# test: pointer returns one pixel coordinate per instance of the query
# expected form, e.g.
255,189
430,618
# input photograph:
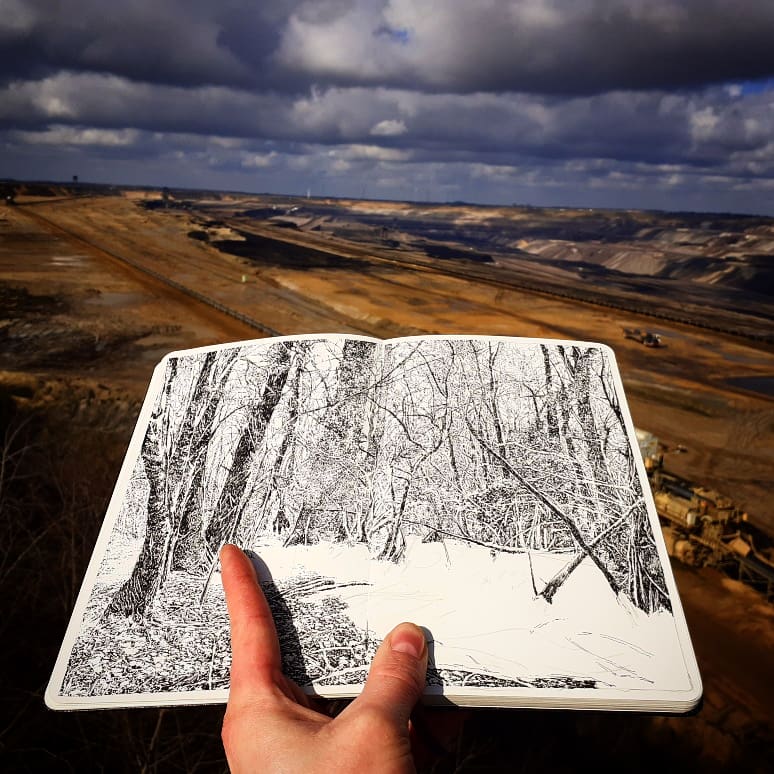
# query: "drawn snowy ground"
487,627
485,620
484,617
185,645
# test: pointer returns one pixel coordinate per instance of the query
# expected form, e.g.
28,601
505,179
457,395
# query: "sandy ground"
100,318
732,629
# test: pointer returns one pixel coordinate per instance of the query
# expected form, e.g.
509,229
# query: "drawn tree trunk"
136,596
630,550
582,380
619,425
623,542
188,548
348,446
274,500
558,580
581,448
226,511
355,432
645,584
353,381
552,421
483,427
385,527
494,408
391,481
386,517
174,464
605,380
577,435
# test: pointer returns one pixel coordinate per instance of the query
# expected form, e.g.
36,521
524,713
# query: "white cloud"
226,142
16,17
258,160
390,127
71,135
369,152
345,42
493,172
703,123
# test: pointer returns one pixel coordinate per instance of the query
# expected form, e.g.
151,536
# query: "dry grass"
53,492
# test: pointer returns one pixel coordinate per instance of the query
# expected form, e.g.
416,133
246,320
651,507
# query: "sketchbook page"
259,443
513,520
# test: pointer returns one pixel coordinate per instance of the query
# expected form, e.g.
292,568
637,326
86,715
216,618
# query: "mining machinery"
704,527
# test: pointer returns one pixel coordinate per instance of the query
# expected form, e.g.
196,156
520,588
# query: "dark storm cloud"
173,42
626,126
485,99
537,46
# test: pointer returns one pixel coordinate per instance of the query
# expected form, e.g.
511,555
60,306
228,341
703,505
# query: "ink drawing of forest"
485,488
511,521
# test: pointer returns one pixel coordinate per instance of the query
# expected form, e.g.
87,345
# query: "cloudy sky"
629,103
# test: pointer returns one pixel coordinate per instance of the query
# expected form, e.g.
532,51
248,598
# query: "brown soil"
68,308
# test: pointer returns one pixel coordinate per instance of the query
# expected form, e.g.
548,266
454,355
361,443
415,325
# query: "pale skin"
270,724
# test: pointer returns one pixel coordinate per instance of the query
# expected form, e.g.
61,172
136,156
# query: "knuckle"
402,670
398,682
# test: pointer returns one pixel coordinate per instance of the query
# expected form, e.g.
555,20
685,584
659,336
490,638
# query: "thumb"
397,676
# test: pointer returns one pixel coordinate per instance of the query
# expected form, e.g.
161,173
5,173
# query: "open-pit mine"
98,283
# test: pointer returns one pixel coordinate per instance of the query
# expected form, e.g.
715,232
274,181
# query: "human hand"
270,724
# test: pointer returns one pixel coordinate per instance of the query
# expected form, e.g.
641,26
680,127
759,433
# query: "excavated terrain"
95,290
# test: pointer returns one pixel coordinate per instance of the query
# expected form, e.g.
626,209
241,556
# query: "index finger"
256,662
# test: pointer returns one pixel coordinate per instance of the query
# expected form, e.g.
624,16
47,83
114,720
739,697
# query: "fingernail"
408,638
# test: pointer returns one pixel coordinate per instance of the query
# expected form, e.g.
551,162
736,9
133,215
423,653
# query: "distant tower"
75,179
308,193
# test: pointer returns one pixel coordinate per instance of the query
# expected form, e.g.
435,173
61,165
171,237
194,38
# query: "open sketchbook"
489,489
